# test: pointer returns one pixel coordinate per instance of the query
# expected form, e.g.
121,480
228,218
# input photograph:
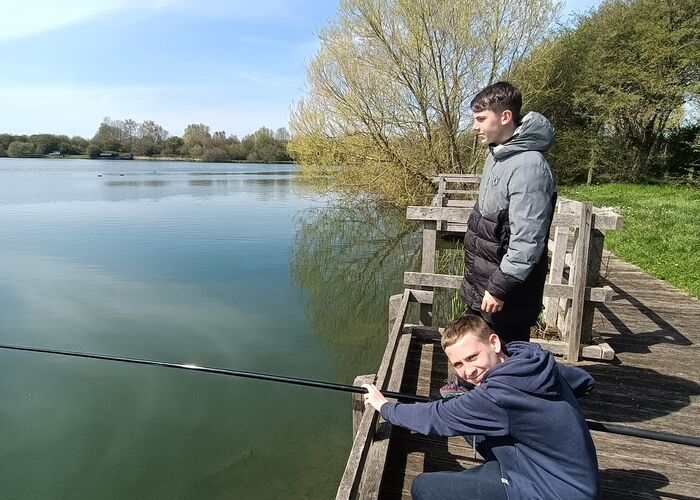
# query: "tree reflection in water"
350,258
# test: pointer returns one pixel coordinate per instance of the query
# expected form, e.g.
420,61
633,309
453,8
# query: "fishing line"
592,424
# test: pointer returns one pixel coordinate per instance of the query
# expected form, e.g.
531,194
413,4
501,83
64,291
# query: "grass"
661,232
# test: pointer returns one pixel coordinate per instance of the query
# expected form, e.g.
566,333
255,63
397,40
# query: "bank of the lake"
234,266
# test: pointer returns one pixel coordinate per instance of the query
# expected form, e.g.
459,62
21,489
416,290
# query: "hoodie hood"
535,133
528,370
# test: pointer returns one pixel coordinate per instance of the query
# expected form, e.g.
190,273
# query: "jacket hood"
528,369
535,133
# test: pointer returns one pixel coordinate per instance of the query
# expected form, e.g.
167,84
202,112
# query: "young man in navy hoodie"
536,443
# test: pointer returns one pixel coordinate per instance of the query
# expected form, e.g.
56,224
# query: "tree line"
389,90
148,139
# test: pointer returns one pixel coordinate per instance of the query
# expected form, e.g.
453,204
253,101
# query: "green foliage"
42,144
389,89
682,153
266,146
661,231
196,138
110,136
21,149
614,83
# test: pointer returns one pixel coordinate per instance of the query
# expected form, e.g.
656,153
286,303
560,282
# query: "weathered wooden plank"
421,296
441,199
461,191
424,333
595,255
602,222
449,214
579,280
455,227
556,274
432,280
598,294
394,306
428,265
466,178
592,294
358,402
561,348
459,203
429,238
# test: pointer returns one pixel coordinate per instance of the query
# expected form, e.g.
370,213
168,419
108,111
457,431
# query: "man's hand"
490,304
374,397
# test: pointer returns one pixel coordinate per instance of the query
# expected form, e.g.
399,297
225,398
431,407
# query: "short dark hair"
467,324
497,98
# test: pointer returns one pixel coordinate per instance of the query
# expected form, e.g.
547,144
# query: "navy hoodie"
526,408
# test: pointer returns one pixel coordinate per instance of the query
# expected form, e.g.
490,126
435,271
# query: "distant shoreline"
152,158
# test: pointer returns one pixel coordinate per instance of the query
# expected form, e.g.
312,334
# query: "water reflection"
193,269
349,260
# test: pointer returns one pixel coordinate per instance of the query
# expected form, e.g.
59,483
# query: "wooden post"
441,199
358,403
428,266
595,257
394,305
556,275
578,276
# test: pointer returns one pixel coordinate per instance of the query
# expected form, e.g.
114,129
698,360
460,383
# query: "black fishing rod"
592,424
220,371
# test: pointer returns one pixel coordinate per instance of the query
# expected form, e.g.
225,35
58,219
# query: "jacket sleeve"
579,380
531,191
471,413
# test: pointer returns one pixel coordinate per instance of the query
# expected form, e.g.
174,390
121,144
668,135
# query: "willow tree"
388,91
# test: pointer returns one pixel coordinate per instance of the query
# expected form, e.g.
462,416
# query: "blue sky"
235,65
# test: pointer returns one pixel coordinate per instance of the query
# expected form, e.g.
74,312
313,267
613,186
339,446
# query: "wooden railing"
576,245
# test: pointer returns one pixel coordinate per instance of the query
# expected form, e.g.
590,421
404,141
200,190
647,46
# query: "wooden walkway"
653,383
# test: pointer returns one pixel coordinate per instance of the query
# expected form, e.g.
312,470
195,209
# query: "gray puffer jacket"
505,246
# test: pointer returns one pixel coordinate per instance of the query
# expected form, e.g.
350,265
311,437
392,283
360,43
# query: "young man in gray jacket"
505,246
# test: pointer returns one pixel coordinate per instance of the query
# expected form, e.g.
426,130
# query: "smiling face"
492,127
471,357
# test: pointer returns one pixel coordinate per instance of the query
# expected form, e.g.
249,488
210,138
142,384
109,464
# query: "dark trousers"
506,331
479,483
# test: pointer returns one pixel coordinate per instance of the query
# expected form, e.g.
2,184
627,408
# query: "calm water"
235,266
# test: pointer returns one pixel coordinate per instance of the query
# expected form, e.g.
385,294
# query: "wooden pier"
651,381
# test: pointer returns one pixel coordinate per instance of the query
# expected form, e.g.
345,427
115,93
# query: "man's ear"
495,343
506,117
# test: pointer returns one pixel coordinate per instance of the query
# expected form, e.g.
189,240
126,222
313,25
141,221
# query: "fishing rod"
592,424
220,371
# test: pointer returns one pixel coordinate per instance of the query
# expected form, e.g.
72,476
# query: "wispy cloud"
31,17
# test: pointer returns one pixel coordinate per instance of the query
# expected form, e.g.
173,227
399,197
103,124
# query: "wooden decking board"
654,383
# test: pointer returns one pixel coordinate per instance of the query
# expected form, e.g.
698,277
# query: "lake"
237,266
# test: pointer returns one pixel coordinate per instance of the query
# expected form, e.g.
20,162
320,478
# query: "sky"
235,65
